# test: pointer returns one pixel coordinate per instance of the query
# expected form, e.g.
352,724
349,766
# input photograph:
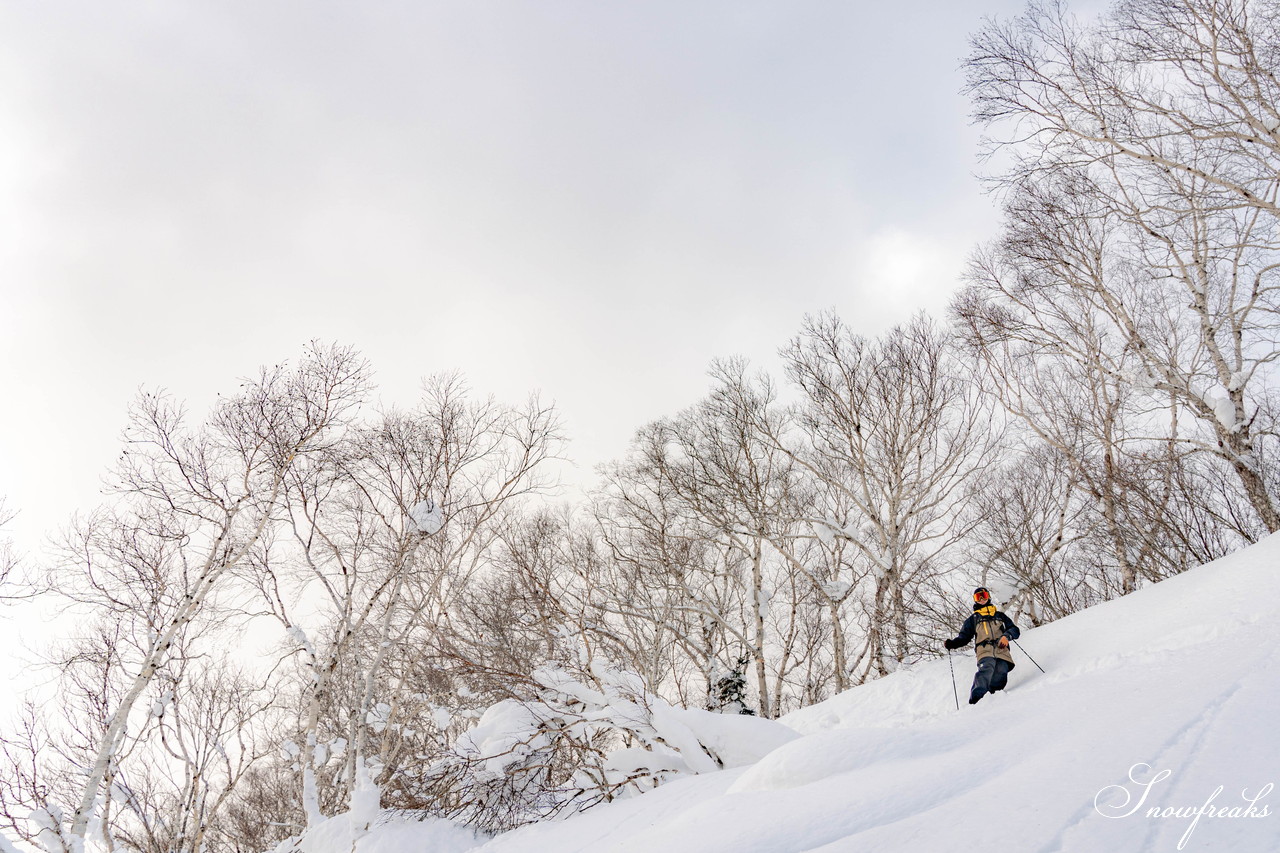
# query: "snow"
364,810
346,833
825,530
1149,705
1223,408
300,639
1001,590
735,739
160,705
503,736
829,753
763,597
1141,380
627,763
427,517
378,716
837,590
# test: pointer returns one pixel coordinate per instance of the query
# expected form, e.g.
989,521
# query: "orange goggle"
981,596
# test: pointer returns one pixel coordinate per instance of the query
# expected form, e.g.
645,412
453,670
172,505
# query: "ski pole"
1029,657
953,679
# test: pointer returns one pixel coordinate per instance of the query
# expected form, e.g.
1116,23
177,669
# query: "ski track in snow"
1189,739
1192,732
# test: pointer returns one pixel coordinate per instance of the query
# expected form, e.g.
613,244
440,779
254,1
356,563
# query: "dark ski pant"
993,675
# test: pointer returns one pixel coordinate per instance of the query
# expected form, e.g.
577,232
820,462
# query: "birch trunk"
109,743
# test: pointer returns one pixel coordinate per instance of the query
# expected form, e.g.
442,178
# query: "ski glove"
950,644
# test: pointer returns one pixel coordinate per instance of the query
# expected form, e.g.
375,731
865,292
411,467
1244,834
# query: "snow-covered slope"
1181,677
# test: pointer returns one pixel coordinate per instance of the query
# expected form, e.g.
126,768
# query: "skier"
994,630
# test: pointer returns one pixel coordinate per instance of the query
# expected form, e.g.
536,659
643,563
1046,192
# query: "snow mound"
735,739
826,754
346,833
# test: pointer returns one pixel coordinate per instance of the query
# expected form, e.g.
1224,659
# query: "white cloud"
898,272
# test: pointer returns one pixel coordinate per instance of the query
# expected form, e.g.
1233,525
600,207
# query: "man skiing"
993,630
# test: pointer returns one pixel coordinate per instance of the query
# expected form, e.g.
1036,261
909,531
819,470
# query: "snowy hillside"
1182,677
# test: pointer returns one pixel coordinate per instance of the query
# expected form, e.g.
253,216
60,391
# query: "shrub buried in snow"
592,735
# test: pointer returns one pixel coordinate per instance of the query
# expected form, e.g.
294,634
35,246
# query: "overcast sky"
591,199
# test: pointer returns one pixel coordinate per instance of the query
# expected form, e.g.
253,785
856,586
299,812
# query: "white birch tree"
190,505
893,433
1141,192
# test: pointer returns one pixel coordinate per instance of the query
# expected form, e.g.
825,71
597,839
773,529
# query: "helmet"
981,595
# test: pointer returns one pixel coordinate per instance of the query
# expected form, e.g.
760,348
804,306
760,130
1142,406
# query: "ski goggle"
981,595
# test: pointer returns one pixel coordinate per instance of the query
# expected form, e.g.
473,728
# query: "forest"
309,597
